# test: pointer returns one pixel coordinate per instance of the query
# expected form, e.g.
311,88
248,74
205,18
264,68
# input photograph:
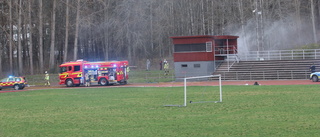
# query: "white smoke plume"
277,35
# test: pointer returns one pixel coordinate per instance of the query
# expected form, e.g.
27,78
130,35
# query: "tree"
30,38
75,53
313,18
106,35
53,30
65,51
2,41
19,36
41,64
10,37
298,19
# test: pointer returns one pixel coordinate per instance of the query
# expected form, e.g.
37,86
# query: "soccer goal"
201,89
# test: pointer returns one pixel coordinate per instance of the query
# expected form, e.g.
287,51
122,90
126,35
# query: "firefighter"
160,64
312,68
47,79
127,69
148,64
166,68
87,79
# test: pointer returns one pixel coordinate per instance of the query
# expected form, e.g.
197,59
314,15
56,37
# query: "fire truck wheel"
103,82
16,87
69,83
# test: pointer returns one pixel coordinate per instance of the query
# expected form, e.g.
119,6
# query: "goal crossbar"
185,90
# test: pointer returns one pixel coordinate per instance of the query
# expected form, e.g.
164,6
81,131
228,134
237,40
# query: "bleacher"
267,69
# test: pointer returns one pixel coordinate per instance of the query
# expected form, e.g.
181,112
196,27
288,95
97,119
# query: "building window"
200,47
209,46
184,65
196,65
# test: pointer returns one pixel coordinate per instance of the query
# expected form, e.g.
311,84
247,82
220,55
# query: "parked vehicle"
98,73
13,82
315,76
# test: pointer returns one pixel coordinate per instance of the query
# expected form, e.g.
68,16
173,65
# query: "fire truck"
100,73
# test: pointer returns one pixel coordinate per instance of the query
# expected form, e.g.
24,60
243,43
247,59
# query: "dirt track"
173,84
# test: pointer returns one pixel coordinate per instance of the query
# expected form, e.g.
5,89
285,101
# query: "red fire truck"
100,73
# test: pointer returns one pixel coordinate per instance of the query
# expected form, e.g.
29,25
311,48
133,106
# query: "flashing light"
92,66
114,65
97,66
10,76
85,66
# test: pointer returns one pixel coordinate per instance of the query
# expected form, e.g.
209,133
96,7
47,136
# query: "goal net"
200,89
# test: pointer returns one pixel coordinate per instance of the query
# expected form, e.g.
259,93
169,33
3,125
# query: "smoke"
276,35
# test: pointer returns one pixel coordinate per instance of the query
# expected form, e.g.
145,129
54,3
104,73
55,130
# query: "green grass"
153,76
126,111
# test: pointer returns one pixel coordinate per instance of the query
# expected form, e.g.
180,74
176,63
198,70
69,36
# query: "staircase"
267,70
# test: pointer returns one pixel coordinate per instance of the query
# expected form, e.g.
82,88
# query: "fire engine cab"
100,73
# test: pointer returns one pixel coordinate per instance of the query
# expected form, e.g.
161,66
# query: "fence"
281,55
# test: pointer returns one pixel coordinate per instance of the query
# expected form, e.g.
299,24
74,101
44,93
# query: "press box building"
200,55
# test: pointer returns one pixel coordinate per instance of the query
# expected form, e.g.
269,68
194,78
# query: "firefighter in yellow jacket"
47,79
166,67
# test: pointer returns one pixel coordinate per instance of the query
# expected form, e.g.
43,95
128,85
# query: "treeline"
38,35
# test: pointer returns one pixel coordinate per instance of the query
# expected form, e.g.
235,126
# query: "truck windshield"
63,69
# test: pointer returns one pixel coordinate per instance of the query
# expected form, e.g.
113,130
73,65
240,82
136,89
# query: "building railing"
224,50
229,51
280,55
231,60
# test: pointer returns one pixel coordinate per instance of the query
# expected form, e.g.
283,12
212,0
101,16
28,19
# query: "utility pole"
259,21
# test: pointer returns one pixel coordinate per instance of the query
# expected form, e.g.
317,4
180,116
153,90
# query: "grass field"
127,111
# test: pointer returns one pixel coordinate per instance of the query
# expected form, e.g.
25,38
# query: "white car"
315,76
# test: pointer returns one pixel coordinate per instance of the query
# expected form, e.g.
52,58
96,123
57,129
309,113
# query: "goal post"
211,84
